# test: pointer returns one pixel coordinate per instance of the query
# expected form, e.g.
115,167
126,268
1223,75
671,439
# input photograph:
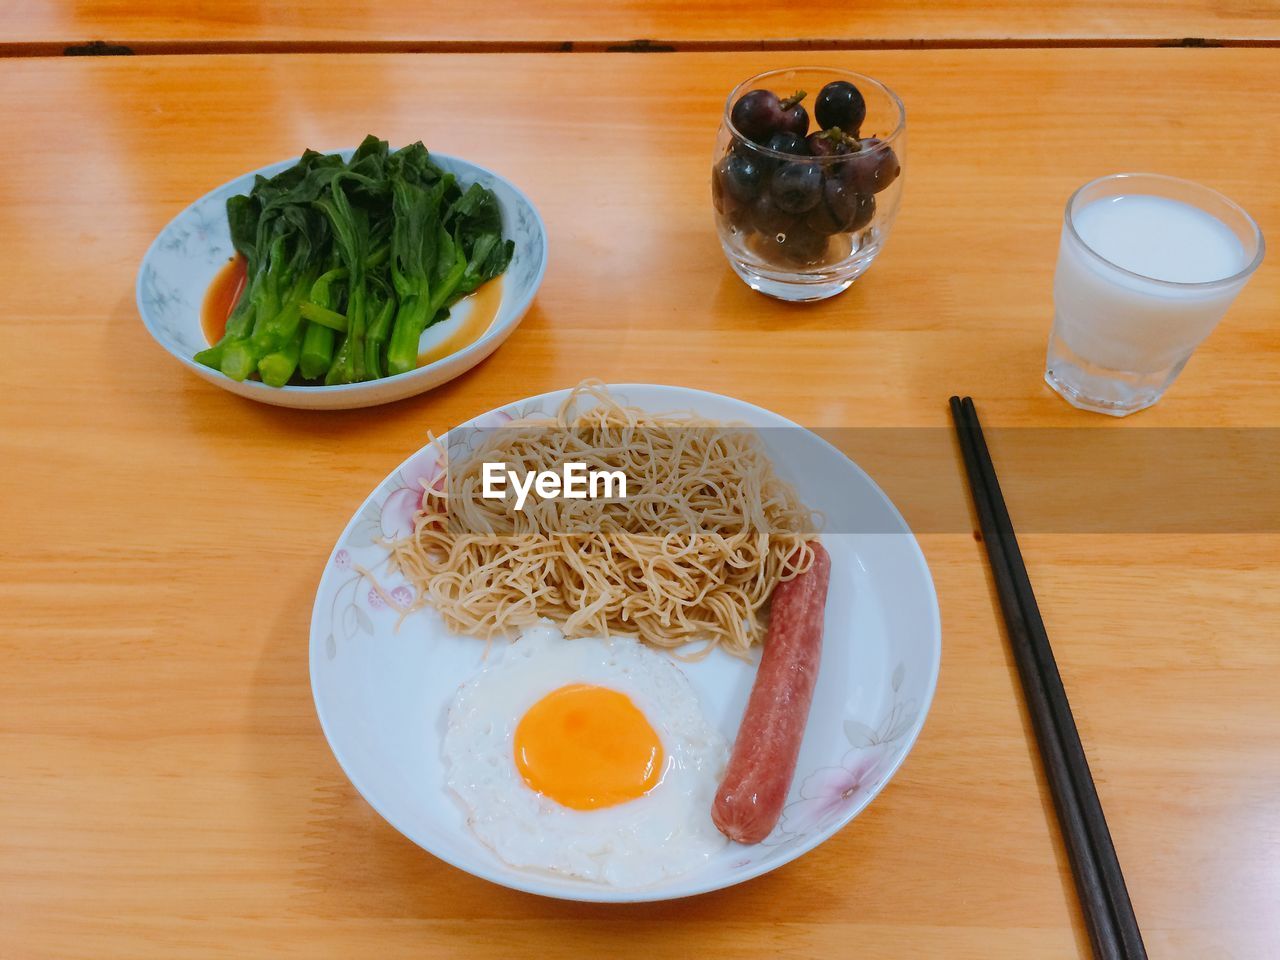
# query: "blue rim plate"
186,255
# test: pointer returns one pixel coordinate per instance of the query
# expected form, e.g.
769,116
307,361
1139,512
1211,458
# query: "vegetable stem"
323,316
379,333
402,353
276,368
317,351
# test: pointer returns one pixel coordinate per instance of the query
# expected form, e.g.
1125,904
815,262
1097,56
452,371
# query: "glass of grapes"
806,178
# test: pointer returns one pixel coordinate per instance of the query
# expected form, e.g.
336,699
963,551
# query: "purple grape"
797,187
872,168
741,175
717,191
841,210
757,115
768,218
736,212
840,104
829,144
830,215
795,118
822,145
802,245
787,142
725,204
864,211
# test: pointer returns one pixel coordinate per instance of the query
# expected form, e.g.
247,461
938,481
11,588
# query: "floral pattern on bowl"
388,518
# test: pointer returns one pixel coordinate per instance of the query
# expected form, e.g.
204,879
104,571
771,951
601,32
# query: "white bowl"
183,260
382,693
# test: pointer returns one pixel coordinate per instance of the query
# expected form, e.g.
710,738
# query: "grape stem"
838,136
792,100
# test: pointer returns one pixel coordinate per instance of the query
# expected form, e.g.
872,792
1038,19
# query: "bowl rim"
513,878
885,143
257,390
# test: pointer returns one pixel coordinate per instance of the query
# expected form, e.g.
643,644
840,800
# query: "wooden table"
165,790
261,25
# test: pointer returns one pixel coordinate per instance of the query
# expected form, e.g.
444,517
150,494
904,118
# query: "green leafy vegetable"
348,262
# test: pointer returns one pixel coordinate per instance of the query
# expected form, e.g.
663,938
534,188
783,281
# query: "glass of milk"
1147,266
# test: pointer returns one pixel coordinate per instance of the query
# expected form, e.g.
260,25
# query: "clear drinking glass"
809,254
1120,336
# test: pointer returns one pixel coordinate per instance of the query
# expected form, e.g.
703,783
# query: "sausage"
749,801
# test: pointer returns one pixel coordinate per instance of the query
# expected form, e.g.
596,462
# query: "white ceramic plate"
183,260
382,694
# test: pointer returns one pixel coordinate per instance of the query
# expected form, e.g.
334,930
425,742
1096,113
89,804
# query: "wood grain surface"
590,24
165,790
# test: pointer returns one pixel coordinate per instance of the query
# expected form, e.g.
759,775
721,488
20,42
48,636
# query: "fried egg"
587,758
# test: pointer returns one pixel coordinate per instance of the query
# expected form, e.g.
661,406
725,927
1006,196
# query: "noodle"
691,554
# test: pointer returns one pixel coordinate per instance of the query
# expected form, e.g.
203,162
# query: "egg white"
666,832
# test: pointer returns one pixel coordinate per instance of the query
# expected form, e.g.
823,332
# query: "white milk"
1160,238
1121,322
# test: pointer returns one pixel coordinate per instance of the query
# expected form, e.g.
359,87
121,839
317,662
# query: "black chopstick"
1104,898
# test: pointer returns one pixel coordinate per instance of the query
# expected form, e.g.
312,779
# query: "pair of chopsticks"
1113,929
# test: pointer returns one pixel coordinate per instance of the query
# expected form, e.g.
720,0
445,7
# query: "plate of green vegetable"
364,276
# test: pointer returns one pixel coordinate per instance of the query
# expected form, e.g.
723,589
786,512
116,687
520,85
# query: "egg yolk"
587,747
